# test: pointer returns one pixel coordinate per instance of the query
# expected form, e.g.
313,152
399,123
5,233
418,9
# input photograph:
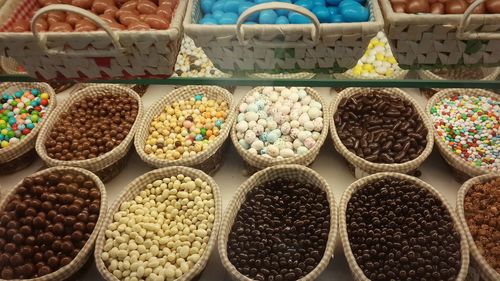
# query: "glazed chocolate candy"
91,127
380,128
398,231
46,223
280,231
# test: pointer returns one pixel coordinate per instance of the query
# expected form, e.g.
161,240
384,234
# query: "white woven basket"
105,161
89,55
68,270
294,172
363,167
207,160
336,46
297,75
258,162
10,65
133,189
490,73
357,272
478,263
419,40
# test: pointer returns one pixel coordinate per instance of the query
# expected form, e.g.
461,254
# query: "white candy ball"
250,137
285,128
294,123
242,126
272,150
244,144
286,153
251,116
309,142
257,145
302,150
309,125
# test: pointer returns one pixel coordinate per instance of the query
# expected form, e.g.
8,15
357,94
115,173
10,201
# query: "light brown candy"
165,11
56,16
84,4
41,25
437,8
60,27
129,5
99,6
138,25
73,18
146,7
21,26
455,7
156,22
128,17
85,26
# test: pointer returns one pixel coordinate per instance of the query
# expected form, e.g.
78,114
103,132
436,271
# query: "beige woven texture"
14,151
359,184
370,167
139,184
144,53
10,65
68,270
429,39
490,73
340,44
293,172
262,162
399,74
185,93
486,272
98,163
451,158
298,75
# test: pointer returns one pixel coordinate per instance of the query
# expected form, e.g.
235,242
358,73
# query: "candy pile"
186,127
279,122
163,232
327,11
118,14
192,62
377,61
20,113
444,7
469,127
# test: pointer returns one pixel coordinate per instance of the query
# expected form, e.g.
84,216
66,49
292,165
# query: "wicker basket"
297,75
89,55
361,167
399,74
490,73
429,40
67,271
462,170
359,184
208,160
108,165
22,154
295,172
140,89
298,47
478,263
133,189
253,163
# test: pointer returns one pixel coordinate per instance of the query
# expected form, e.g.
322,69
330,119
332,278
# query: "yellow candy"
389,72
370,46
374,42
5,144
4,132
357,72
368,67
379,56
44,96
392,60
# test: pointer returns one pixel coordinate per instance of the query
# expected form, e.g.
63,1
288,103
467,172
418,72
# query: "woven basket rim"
453,159
6,65
298,75
150,177
484,266
29,142
361,183
68,270
380,167
80,95
250,183
428,74
142,132
398,74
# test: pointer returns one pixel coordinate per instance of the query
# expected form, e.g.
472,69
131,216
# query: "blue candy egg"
308,4
297,18
228,18
218,6
249,22
333,10
231,6
217,14
322,13
262,1
346,3
268,17
352,13
18,94
319,3
282,20
206,6
337,18
244,6
283,12
35,92
362,2
333,2
208,20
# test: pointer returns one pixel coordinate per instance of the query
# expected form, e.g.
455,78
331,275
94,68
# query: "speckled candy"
193,62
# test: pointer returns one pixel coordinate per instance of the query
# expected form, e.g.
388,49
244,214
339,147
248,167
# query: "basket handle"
464,22
42,39
315,33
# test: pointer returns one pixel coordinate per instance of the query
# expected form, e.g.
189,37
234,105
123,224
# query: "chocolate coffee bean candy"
482,213
280,231
37,234
381,128
91,127
399,231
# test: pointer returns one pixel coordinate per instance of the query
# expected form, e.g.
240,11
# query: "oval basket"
486,272
140,89
462,170
296,172
105,166
256,162
361,167
359,184
22,154
134,188
296,75
399,74
79,261
208,160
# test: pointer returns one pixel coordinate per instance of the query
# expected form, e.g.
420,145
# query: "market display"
468,126
398,230
444,7
481,210
119,15
20,113
163,232
46,223
330,11
280,231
